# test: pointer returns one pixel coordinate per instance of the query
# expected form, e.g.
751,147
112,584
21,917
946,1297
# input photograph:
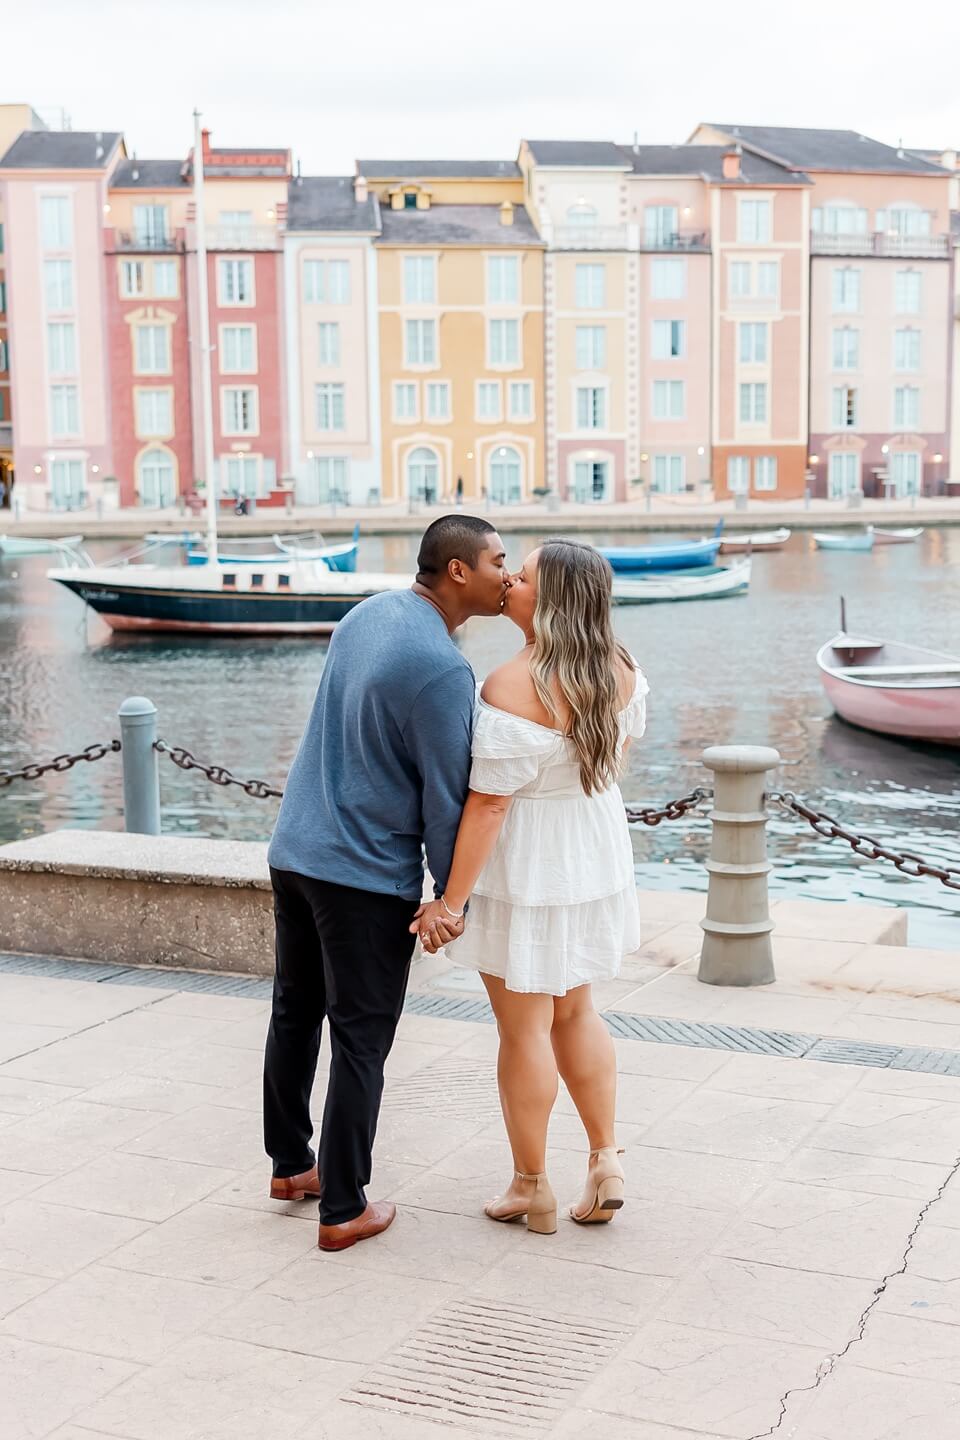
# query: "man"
382,771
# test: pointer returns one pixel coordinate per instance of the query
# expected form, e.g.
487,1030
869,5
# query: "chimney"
731,163
949,160
506,212
360,191
205,144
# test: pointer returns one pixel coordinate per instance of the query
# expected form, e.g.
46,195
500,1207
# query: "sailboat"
300,595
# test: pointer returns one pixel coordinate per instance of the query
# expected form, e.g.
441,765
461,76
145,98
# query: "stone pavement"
786,1264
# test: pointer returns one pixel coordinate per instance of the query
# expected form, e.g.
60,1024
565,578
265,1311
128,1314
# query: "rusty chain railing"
216,774
58,764
673,810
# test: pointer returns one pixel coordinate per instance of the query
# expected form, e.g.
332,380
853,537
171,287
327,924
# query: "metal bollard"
737,925
141,771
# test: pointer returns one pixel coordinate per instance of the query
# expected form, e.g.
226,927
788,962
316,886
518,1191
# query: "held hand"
435,926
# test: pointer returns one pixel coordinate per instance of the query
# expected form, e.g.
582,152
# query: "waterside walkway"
786,1265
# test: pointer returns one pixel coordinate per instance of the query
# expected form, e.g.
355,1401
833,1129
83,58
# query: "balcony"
889,247
677,240
140,242
242,237
590,237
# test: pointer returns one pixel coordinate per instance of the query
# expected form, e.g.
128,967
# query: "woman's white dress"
555,906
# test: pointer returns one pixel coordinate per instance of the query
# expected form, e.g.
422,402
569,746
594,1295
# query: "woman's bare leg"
587,1060
526,1071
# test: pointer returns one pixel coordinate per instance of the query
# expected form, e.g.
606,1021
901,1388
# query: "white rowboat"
757,540
705,583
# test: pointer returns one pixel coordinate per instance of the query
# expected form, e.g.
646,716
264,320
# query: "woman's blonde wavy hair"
575,655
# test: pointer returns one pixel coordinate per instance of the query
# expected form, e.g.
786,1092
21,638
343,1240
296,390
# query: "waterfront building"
876,323
14,119
461,338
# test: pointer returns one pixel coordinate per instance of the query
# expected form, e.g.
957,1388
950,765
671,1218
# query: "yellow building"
460,285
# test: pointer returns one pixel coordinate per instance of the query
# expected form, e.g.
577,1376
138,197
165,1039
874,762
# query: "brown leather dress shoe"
378,1215
295,1187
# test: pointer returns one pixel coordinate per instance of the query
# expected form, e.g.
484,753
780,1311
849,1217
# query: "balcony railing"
590,237
698,240
242,237
139,241
914,247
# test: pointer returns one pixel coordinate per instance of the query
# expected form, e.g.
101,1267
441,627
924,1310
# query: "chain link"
58,764
217,774
865,845
673,810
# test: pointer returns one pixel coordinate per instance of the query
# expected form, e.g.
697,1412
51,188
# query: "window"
236,282
738,474
239,353
668,399
668,474
488,400
61,347
582,214
591,407
154,412
505,473
503,342
844,411
840,219
904,220
668,339
753,222
846,348
843,474
753,342
419,279
64,410
58,284
906,407
591,347
753,404
404,401
520,399
152,349
239,411
846,288
236,219
165,279
3,296
765,472
4,360
66,483
421,342
131,278
328,343
741,278
330,407
768,279
438,400
591,481
55,222
668,279
150,225
906,350
157,487
423,475
326,282
503,279
660,225
330,473
906,292
590,282
905,471
241,474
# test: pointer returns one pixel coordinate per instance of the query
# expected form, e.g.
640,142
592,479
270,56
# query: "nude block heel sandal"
540,1208
603,1193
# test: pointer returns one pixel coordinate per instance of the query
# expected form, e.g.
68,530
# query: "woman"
543,855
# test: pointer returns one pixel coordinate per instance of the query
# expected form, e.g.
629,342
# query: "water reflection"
739,670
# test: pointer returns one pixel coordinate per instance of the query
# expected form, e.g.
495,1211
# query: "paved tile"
41,1386
864,924
672,1062
14,1183
139,1186
57,1240
680,1177
914,1346
206,1135
647,1238
872,1174
581,1422
224,1390
250,1190
894,1126
214,1007
779,1078
63,1136
79,1060
218,1065
341,1420
433,1245
220,1245
930,1287
75,1004
749,1127
18,1039
129,1317
153,1092
641,1099
603,1291
859,1404
26,1097
17,1289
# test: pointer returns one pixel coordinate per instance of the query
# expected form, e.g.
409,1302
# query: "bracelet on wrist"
454,914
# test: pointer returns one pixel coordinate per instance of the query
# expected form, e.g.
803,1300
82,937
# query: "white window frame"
419,280
523,412
673,331
594,407
901,304
841,349
747,334
228,404
844,278
250,484
236,273
144,399
487,390
63,269
501,268
741,279
434,389
328,395
67,396
504,343
907,350
514,459
662,267
661,225
164,462
590,285
149,357
754,220
415,346
406,402
668,400
228,368
906,407
738,474
843,477
765,479
56,222
905,484
326,282
826,219
74,468
585,342
165,267
844,412
61,347
328,344
771,269
154,233
132,270
668,474
753,402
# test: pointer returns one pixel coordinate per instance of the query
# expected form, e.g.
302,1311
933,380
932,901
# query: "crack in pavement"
830,1362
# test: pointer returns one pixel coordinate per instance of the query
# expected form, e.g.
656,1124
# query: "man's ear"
457,572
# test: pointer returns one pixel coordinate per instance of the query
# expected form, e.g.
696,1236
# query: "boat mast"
200,245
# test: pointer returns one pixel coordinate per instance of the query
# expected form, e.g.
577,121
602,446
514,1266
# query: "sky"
440,78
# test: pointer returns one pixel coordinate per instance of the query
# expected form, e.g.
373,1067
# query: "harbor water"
730,671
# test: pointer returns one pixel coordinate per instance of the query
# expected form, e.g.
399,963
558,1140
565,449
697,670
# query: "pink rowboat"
892,688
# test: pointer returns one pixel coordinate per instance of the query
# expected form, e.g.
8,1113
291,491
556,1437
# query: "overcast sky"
379,78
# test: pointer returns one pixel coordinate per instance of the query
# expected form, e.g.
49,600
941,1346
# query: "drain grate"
710,1037
498,1370
463,1089
445,1007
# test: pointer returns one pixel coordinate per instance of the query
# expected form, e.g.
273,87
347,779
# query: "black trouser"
344,954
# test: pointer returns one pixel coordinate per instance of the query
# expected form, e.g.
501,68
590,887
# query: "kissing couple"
513,795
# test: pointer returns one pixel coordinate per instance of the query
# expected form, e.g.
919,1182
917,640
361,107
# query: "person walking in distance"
382,772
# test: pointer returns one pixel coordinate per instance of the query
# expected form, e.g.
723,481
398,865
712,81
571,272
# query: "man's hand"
435,926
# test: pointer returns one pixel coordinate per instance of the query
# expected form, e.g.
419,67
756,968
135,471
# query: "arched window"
157,483
505,476
904,219
840,217
423,475
582,214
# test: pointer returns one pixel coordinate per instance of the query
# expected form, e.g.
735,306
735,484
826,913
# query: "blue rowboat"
680,555
851,540
342,558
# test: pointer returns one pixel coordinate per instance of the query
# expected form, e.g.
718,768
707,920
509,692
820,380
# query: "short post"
737,925
141,771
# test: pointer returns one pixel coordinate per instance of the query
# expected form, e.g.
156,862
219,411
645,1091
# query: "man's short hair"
452,537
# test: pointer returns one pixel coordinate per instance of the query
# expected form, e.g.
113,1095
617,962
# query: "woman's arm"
480,825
